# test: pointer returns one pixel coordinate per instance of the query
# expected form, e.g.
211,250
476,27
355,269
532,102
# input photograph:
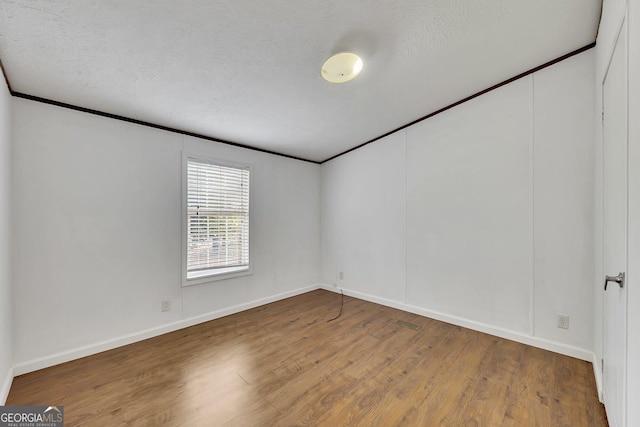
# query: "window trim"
229,272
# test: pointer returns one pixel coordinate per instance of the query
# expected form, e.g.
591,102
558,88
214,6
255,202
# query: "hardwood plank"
283,364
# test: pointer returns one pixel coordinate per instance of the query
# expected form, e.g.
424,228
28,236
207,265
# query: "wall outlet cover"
563,321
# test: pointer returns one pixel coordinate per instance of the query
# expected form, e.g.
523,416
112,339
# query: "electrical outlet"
166,305
341,275
563,321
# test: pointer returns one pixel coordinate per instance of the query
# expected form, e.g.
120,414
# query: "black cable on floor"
341,305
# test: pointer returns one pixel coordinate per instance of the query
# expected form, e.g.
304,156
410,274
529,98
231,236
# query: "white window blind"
218,218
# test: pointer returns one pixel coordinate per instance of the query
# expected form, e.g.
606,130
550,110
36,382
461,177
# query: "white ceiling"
249,71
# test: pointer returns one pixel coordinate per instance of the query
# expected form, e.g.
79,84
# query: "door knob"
619,279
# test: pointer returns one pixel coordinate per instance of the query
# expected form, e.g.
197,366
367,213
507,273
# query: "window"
217,220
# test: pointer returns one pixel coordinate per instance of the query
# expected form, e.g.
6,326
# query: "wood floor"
283,364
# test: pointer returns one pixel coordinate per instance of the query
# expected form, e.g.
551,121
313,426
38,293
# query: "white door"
614,89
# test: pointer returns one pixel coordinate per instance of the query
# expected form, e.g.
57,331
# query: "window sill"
206,276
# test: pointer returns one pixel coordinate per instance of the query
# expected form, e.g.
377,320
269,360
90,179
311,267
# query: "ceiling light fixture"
341,67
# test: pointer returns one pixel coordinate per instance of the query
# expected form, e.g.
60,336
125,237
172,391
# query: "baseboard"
597,372
77,353
6,386
568,350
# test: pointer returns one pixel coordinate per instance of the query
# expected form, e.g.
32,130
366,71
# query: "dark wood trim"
6,77
475,95
148,124
235,144
600,19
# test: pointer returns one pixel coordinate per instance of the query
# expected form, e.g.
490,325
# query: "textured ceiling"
249,71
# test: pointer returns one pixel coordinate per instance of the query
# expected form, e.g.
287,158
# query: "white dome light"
341,67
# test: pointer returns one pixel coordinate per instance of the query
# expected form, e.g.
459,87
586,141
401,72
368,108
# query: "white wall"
6,302
563,200
97,222
468,209
481,215
364,219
